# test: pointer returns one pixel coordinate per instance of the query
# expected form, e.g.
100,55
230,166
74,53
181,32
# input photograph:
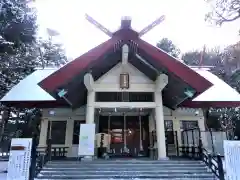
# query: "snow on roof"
28,89
220,91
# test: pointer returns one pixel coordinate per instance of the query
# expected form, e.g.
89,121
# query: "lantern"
124,81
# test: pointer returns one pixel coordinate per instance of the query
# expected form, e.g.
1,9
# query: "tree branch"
224,11
228,20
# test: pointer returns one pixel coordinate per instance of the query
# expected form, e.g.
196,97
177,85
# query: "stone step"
126,162
104,168
129,176
182,178
126,169
120,165
156,172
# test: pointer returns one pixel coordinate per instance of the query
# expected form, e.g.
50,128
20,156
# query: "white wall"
62,114
109,82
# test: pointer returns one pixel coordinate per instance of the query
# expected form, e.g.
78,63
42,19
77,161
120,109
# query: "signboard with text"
19,159
86,140
232,159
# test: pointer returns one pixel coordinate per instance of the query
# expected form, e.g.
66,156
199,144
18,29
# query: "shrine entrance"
129,134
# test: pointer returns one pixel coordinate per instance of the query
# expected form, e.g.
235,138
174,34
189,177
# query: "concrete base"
87,158
165,158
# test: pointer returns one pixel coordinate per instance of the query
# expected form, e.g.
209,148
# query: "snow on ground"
3,176
3,167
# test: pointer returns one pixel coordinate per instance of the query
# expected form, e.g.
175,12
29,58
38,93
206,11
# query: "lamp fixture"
52,112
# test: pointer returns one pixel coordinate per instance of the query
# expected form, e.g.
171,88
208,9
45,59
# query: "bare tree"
223,11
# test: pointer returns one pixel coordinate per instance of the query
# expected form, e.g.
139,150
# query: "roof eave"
173,65
35,104
208,104
67,72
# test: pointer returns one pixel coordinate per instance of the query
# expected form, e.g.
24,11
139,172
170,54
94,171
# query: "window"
124,97
168,124
58,131
76,131
141,97
185,125
169,133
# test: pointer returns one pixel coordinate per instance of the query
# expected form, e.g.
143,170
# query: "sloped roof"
220,91
28,89
102,58
92,59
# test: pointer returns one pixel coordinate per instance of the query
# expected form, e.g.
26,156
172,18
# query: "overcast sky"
184,23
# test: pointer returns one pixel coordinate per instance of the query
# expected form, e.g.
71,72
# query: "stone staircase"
126,169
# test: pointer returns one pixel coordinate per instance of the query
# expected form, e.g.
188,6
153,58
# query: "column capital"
161,82
89,81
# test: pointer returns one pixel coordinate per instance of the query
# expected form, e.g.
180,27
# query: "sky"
184,22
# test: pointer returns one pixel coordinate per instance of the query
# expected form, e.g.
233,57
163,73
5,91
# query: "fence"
212,141
206,146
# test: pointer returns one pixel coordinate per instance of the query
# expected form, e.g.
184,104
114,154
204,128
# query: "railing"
4,156
214,163
212,140
41,160
196,151
44,154
191,152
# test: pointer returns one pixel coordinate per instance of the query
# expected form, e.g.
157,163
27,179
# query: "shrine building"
129,89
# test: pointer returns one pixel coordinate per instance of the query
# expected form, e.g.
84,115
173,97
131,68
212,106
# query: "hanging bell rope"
124,133
140,126
109,133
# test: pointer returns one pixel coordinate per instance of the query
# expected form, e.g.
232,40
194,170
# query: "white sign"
86,140
232,159
19,159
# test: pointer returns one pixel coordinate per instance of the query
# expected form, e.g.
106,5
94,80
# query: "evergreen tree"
17,25
20,53
167,45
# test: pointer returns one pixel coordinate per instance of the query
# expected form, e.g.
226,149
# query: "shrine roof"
28,89
96,57
220,91
27,92
150,60
102,58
